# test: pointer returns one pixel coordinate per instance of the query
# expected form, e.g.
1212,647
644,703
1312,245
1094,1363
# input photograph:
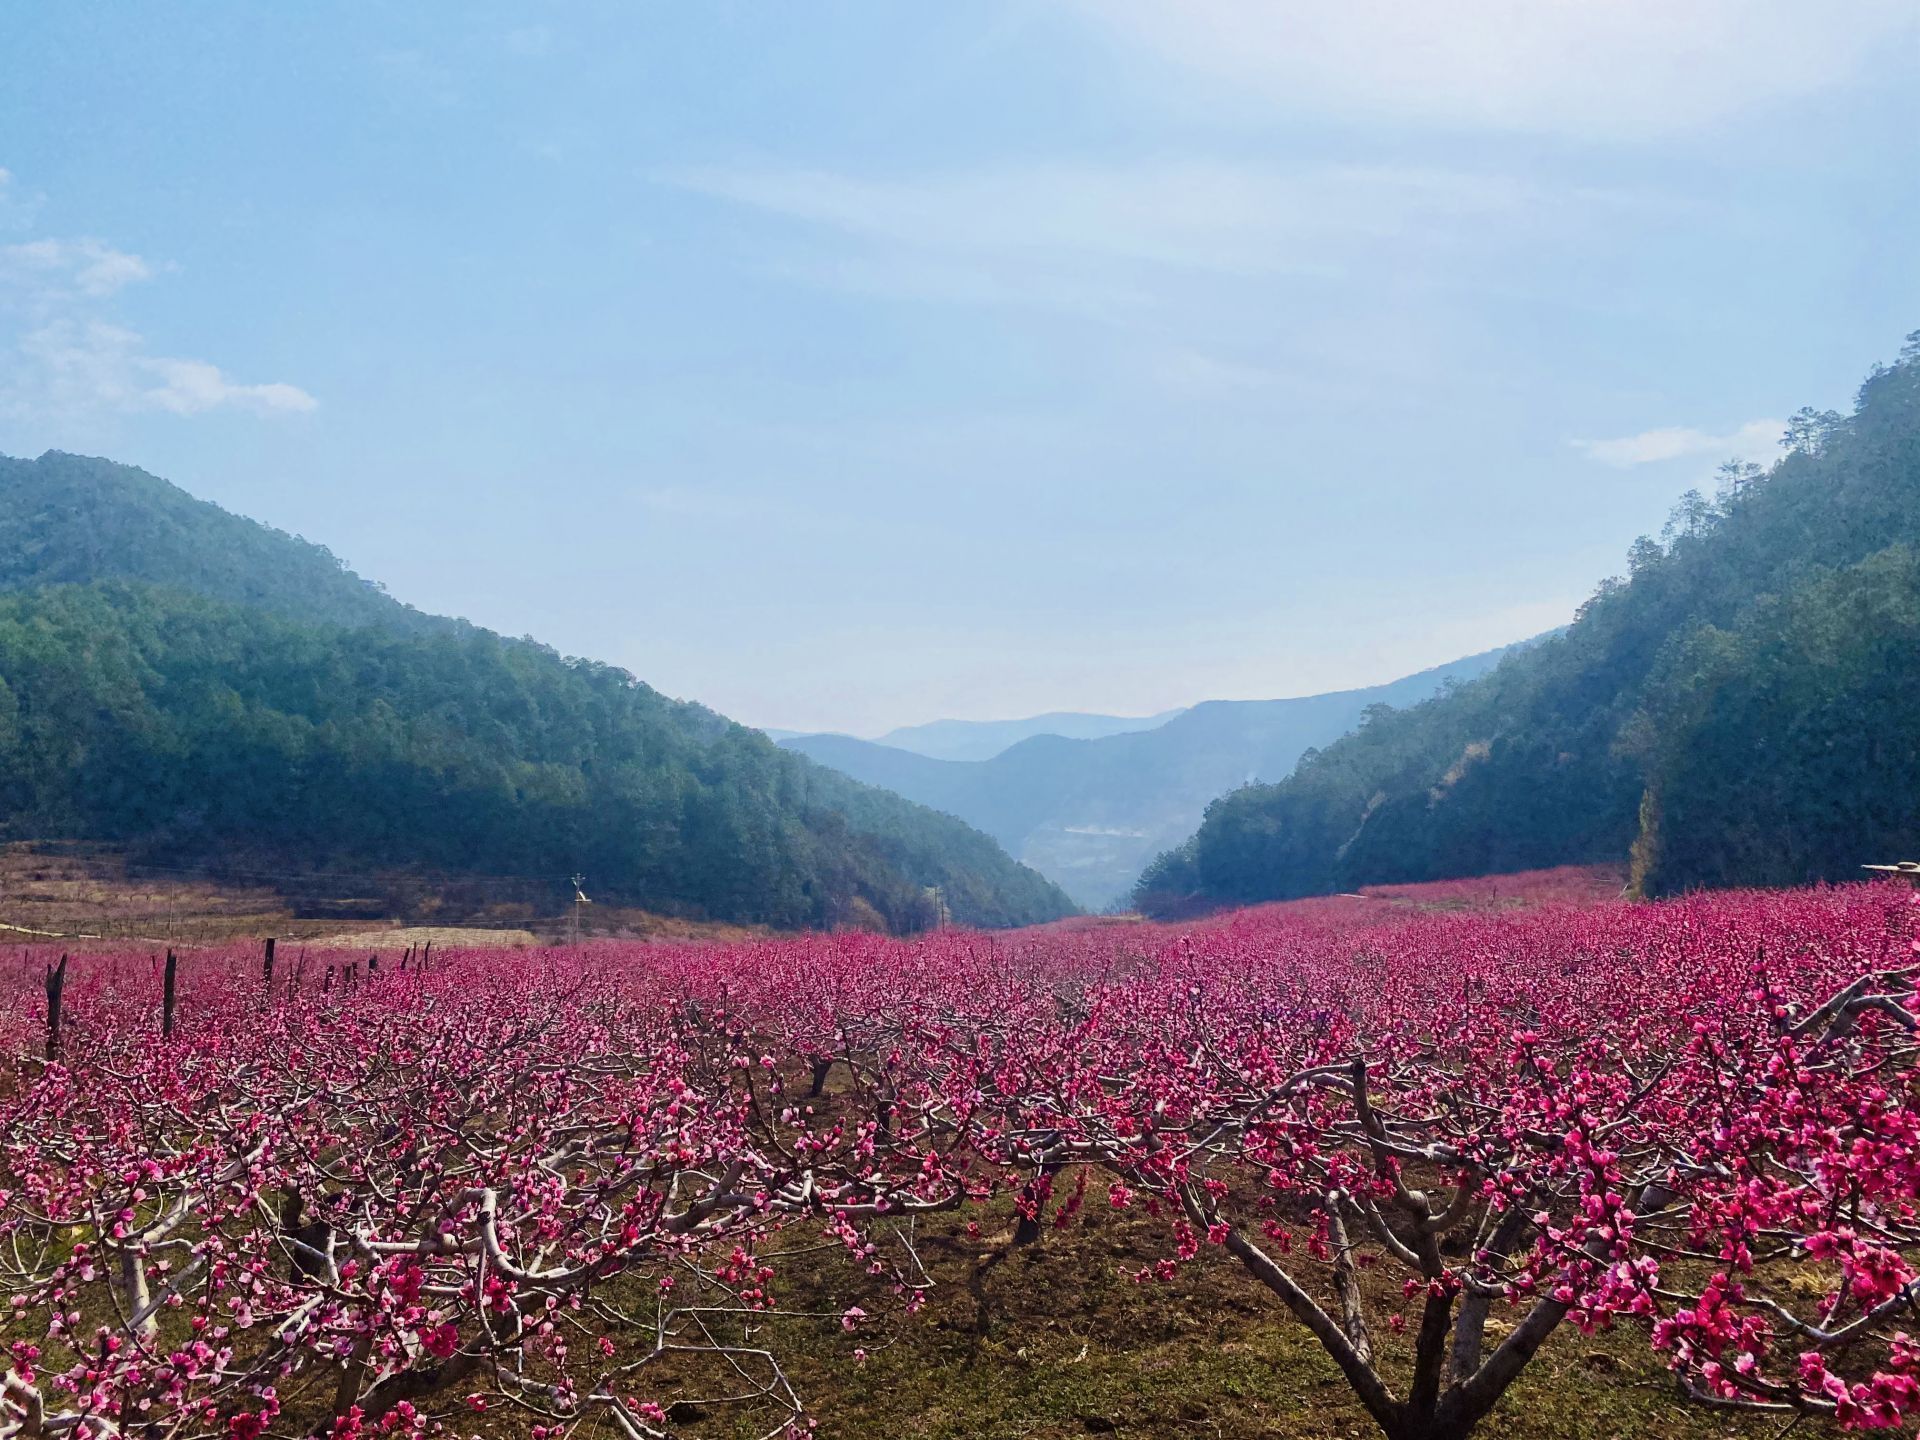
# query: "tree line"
192,728
1739,708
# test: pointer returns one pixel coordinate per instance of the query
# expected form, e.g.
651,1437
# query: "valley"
1090,812
1159,719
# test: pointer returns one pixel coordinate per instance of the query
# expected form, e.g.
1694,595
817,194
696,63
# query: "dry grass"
52,891
1059,1342
90,892
446,937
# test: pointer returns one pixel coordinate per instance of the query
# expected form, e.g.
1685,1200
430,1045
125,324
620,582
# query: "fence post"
266,967
56,986
166,1000
373,966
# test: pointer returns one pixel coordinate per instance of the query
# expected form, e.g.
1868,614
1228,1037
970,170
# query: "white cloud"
1609,69
90,267
74,367
186,387
1184,252
1757,440
1201,215
65,361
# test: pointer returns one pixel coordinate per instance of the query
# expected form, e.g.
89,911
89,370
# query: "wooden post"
56,986
373,965
166,1000
426,954
266,966
326,983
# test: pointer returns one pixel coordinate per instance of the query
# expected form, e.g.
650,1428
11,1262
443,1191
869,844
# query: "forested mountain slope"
73,519
1089,813
247,724
1742,708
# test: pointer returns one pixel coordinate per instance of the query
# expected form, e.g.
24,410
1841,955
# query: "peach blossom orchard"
563,1189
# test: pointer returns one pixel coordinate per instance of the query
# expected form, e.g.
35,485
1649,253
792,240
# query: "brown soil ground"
66,891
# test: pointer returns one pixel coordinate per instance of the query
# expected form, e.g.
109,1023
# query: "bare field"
64,890
463,937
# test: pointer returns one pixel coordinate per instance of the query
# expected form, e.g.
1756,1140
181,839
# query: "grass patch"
1067,1345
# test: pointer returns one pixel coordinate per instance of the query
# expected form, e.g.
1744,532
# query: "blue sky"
848,365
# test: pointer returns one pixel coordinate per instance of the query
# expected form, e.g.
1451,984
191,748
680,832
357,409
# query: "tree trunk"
166,999
56,988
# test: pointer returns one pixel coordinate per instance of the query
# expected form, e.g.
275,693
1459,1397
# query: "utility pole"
579,899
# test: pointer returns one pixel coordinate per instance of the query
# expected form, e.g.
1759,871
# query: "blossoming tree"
559,1185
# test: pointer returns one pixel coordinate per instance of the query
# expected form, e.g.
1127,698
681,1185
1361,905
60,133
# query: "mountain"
1090,813
190,684
73,519
984,739
1739,710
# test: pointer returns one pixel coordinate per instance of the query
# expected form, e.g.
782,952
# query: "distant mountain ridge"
186,682
1090,813
984,739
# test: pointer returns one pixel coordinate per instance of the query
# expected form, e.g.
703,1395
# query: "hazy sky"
849,365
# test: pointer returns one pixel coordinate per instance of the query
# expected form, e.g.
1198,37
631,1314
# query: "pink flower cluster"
535,1180
1562,885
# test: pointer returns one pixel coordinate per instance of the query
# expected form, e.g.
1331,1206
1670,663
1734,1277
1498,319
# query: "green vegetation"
291,713
1738,710
72,519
